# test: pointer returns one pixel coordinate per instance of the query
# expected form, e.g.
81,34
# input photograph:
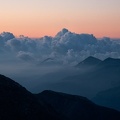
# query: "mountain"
89,62
109,98
76,107
16,103
94,76
110,63
108,70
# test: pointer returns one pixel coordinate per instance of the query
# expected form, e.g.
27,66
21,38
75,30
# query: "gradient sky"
36,18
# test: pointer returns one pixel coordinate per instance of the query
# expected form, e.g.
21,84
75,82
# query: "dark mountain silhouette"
76,107
16,103
92,61
109,98
89,62
110,63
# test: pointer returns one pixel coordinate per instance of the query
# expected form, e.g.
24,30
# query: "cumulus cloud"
66,47
6,36
14,44
26,56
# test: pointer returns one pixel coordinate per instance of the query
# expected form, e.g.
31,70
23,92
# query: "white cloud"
26,56
66,47
6,36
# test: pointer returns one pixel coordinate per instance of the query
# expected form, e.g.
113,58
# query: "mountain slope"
89,62
75,107
16,103
110,62
92,78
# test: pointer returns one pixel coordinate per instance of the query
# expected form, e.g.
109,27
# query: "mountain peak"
90,61
91,58
111,62
110,59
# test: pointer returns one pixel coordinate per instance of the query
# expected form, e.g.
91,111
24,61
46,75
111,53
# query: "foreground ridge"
19,104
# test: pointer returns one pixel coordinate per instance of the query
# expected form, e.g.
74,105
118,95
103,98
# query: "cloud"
26,56
66,47
14,44
6,36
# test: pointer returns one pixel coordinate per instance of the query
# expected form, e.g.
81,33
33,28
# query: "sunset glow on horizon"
36,18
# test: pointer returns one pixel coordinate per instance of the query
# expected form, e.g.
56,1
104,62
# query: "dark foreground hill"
76,107
16,103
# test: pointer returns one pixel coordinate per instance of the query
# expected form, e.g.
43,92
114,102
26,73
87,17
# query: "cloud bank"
65,48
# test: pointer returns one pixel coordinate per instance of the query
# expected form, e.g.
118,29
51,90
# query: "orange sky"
36,18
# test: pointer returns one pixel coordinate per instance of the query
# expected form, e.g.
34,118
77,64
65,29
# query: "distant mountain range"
109,98
107,70
93,76
92,61
90,77
89,62
16,103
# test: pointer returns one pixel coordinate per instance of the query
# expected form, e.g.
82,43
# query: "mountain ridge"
75,107
89,61
20,104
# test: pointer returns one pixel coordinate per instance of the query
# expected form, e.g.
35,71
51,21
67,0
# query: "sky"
36,18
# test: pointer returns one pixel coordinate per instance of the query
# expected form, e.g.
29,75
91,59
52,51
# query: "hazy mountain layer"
109,98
